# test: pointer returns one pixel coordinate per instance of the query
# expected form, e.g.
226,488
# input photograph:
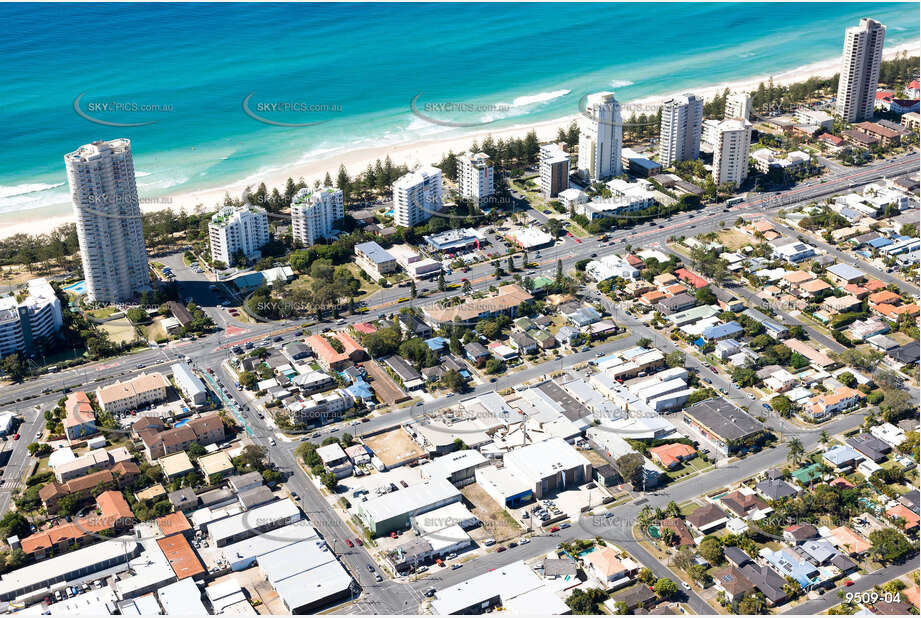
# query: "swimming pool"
76,288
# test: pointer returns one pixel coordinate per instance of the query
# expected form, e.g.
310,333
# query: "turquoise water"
365,63
77,288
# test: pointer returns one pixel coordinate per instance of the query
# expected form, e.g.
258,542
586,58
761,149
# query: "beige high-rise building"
600,137
109,230
860,60
730,152
738,105
679,133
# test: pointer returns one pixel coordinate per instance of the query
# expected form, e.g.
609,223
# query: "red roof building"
692,279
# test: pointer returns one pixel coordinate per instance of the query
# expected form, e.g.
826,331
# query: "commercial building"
679,133
76,566
235,231
416,196
554,170
860,62
183,597
452,241
722,423
600,137
314,213
415,265
109,230
28,324
392,511
189,384
253,522
730,151
514,587
625,197
817,118
549,466
374,260
475,176
306,575
738,105
123,396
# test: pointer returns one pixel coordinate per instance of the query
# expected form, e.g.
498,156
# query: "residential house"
733,583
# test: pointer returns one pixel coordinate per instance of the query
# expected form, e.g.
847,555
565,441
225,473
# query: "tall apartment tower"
600,137
109,229
475,176
416,196
554,170
238,230
679,133
314,212
860,60
738,105
730,152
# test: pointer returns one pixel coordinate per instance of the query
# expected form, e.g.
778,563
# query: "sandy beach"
429,152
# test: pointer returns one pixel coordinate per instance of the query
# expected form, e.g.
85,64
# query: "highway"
400,597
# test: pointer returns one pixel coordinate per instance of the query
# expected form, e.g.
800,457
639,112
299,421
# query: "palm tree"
824,438
795,451
672,509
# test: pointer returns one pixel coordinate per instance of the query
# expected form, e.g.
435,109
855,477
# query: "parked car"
500,549
349,543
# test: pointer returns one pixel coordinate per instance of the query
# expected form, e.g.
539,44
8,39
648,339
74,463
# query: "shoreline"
430,151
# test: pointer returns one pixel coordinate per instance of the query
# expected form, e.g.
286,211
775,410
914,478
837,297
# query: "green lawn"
693,466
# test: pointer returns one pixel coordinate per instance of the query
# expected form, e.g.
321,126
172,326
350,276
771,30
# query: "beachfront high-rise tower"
416,196
475,176
738,105
860,60
600,137
679,132
313,213
554,169
109,230
730,152
238,231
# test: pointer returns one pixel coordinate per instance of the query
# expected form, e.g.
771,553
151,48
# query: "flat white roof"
508,582
409,499
253,518
331,452
296,558
313,586
182,598
441,518
71,562
544,459
446,465
260,545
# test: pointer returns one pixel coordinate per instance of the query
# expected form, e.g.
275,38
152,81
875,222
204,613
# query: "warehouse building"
306,575
385,514
550,466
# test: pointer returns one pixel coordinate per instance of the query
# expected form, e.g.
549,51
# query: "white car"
686,585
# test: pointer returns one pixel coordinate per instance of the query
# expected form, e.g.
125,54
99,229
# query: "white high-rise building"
709,131
554,169
679,133
109,228
313,213
475,176
238,230
860,60
26,322
738,105
600,137
416,196
730,152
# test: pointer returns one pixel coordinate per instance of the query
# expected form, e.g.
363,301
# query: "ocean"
221,92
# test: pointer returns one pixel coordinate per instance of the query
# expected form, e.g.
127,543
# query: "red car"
500,549
848,583
393,535
349,543
555,529
16,437
360,542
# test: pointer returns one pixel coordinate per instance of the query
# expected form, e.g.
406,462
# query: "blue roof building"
437,344
842,457
722,331
360,390
879,243
789,564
